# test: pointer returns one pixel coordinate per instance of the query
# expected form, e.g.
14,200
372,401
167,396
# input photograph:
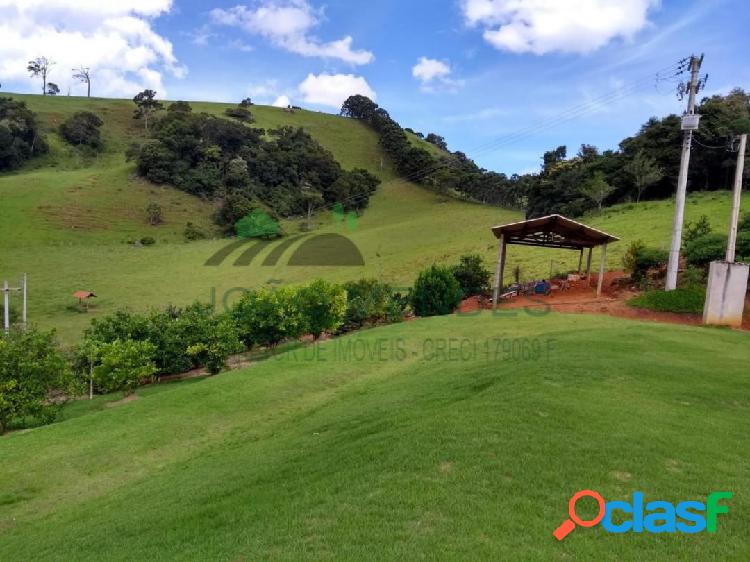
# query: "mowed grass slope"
399,451
66,221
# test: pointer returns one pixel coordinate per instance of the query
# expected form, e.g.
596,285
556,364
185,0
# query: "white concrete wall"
725,295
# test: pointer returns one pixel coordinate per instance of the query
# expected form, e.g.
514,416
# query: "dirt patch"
127,399
581,299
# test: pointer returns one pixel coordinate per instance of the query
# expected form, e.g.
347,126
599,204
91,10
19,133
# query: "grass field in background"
66,222
406,454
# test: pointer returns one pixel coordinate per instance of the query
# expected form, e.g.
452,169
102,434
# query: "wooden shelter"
552,231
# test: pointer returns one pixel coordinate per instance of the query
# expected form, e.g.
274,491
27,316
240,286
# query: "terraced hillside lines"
401,452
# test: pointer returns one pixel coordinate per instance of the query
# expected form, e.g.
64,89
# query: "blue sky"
493,76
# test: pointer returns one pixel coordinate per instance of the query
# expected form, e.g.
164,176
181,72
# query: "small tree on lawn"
146,105
323,306
472,275
154,214
435,292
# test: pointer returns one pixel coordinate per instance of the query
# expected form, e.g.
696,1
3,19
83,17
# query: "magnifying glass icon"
569,524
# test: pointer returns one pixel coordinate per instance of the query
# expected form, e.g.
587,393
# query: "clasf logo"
653,517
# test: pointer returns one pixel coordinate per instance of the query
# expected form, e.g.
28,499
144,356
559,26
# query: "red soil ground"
581,299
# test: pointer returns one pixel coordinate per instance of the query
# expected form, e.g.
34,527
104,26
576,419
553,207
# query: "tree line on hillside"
284,169
645,165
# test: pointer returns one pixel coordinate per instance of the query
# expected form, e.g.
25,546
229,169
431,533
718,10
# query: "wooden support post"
580,261
499,272
602,268
588,268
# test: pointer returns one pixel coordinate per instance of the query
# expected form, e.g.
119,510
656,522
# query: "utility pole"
6,307
6,302
736,200
689,124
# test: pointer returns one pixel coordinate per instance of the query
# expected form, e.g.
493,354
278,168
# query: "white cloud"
544,26
282,101
112,37
287,24
427,70
435,75
333,89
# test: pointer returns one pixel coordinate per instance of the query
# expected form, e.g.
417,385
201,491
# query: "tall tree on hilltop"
146,104
83,74
40,66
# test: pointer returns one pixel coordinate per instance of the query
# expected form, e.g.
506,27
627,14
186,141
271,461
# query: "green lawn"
405,454
66,222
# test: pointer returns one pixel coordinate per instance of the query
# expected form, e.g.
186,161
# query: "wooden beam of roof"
553,231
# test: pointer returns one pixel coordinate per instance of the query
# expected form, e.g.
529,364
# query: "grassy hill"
66,222
404,454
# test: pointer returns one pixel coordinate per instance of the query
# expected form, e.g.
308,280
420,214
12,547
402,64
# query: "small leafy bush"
698,229
82,129
193,232
214,349
711,247
267,318
472,275
436,292
124,365
631,254
646,259
323,306
31,366
147,241
683,299
371,302
240,113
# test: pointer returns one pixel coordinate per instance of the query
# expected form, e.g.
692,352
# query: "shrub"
147,241
82,129
267,318
323,306
31,366
693,277
371,302
124,365
154,214
472,275
435,292
172,332
631,254
193,232
240,113
683,299
215,348
646,259
701,251
696,230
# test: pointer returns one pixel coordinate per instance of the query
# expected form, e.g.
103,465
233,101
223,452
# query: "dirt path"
581,299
